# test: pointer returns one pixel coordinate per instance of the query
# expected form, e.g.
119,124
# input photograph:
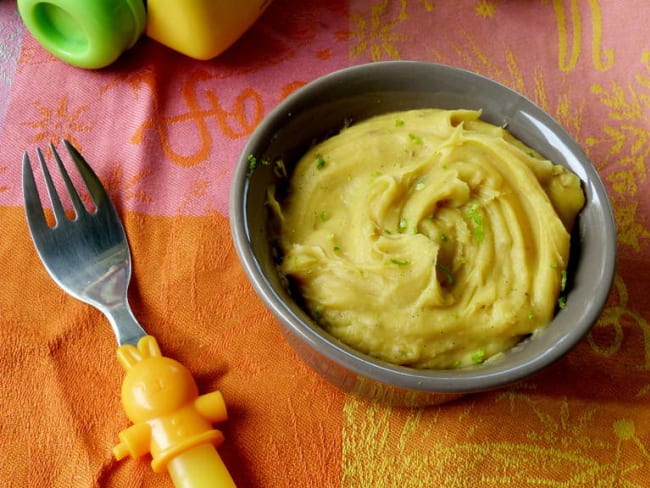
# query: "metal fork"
88,255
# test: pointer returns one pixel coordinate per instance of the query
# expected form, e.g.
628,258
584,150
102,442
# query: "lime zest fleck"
477,220
320,161
399,123
415,138
252,164
400,262
479,356
563,280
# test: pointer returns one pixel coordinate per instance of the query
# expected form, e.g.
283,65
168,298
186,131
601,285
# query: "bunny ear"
148,347
128,356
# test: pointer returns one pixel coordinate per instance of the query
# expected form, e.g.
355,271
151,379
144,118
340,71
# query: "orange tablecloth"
164,131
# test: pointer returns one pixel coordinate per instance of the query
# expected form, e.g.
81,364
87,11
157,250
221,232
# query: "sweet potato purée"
427,238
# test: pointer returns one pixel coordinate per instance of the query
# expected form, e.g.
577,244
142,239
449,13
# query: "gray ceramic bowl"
321,109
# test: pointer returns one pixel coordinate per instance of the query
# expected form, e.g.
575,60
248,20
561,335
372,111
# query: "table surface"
164,132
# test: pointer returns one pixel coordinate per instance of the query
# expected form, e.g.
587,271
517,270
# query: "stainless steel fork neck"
124,324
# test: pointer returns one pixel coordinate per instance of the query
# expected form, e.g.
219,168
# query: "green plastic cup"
86,33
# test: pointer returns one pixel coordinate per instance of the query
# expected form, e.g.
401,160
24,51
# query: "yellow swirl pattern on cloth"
429,237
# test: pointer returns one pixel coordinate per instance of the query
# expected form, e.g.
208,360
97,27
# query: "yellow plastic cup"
201,29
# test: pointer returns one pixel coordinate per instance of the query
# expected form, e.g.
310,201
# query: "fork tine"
31,196
57,206
94,185
72,191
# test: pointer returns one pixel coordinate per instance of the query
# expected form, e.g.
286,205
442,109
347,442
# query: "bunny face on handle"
154,385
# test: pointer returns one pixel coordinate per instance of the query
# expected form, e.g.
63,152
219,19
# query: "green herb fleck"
375,174
337,248
399,123
419,186
531,315
562,302
531,154
323,215
479,356
320,161
563,280
403,223
415,138
477,219
553,266
443,237
252,164
449,275
399,262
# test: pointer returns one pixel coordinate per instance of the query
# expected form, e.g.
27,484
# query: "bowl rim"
484,377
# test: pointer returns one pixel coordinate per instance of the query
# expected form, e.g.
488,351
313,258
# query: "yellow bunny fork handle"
200,468
170,420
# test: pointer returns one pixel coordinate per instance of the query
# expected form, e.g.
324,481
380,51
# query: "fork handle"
170,419
200,468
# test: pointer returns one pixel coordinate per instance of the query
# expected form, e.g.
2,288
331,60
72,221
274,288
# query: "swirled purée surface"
428,238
